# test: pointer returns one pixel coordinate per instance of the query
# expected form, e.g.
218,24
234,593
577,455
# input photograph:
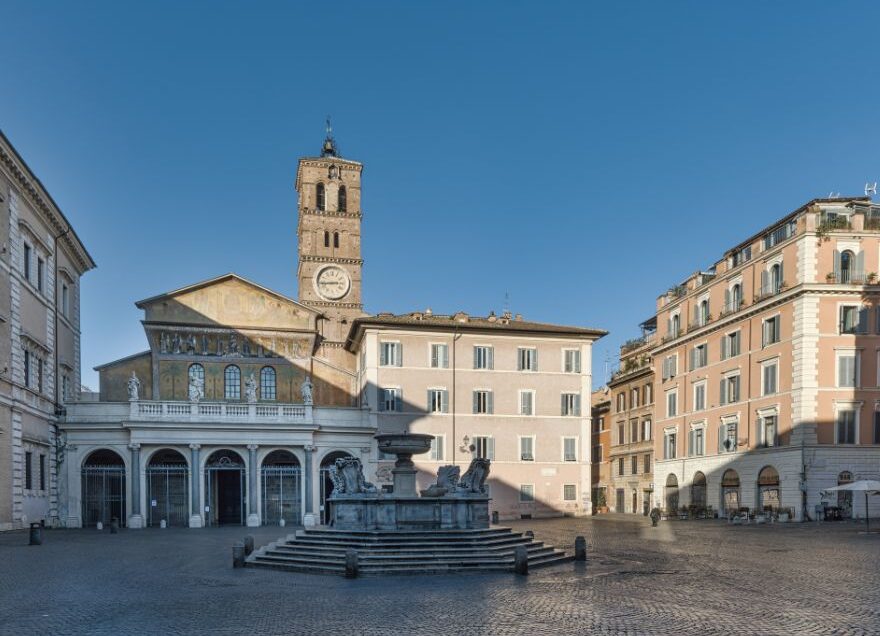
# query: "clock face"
332,282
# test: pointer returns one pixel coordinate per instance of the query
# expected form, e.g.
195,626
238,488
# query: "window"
703,315
439,356
483,402
484,357
28,470
729,392
669,445
621,402
267,383
40,370
597,453
675,325
634,465
646,430
621,433
846,427
853,319
526,402
877,427
598,424
730,345
27,368
438,452
326,239
197,372
646,463
767,430
696,442
571,404
65,300
742,256
527,449
390,399
42,472
335,239
65,387
770,333
571,361
27,262
569,449
672,403
699,356
41,272
670,367
319,196
438,401
733,298
727,436
232,383
700,396
484,447
634,398
342,203
649,394
847,267
526,493
390,354
779,234
620,465
769,377
847,369
569,492
775,278
527,359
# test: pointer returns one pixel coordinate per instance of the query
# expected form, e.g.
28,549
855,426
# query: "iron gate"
167,495
103,494
282,497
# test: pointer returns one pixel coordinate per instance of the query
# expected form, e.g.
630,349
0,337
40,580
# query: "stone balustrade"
149,410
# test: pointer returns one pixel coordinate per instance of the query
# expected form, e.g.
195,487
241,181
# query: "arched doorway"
730,491
698,490
768,488
671,494
225,489
103,488
280,479
327,484
167,489
845,497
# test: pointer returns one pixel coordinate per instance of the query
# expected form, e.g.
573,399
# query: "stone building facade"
245,398
41,262
600,464
766,367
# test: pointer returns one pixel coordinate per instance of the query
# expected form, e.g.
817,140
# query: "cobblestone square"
684,577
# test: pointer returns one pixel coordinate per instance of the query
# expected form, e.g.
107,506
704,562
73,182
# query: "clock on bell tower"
329,235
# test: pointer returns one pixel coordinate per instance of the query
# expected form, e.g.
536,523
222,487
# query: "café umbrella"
867,486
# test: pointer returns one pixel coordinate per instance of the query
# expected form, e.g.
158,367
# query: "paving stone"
683,577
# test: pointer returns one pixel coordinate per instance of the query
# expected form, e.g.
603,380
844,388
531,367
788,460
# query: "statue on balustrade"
250,389
306,388
133,385
196,389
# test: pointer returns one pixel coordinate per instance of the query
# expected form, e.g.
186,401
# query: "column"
309,517
136,520
195,519
253,518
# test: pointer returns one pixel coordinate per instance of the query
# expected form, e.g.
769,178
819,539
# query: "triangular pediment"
229,301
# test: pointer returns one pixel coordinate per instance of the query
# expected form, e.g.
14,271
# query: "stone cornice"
331,259
322,303
342,215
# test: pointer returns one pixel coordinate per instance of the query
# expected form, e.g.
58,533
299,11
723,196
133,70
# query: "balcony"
850,277
632,366
732,307
700,322
771,289
830,224
168,411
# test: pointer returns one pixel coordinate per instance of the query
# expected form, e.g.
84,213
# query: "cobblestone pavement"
684,577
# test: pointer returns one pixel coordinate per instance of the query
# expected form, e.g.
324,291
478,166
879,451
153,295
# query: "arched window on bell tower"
326,239
320,196
342,200
335,239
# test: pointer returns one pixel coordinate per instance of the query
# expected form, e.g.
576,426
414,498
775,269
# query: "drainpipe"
455,337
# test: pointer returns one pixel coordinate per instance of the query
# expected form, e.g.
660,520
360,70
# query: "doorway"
167,489
103,489
225,489
621,500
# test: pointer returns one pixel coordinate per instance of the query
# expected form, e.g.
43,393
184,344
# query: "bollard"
99,526
36,537
351,563
494,517
521,560
163,524
580,548
114,526
248,545
282,522
529,534
238,555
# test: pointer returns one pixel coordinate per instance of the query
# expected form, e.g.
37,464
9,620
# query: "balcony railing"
771,289
839,223
733,306
850,277
214,411
700,322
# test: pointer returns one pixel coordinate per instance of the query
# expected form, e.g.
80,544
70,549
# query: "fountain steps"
323,551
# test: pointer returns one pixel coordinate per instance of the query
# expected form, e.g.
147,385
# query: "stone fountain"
452,503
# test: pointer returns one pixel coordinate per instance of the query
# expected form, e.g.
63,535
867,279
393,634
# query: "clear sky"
581,157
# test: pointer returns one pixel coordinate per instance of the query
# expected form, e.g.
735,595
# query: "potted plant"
830,277
872,277
601,505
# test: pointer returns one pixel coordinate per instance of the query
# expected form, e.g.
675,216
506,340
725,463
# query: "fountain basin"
406,444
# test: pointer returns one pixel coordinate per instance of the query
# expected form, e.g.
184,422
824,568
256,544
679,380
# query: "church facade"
245,398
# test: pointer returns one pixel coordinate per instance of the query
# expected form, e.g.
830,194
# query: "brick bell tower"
329,235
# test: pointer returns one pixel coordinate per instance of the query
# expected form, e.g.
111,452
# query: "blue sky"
579,157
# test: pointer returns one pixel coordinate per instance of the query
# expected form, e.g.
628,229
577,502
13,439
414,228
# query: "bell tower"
329,237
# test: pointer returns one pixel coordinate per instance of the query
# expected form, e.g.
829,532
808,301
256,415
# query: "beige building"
631,392
41,261
766,369
600,464
500,387
244,398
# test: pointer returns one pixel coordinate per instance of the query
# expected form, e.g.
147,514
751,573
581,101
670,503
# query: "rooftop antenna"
506,302
833,195
871,188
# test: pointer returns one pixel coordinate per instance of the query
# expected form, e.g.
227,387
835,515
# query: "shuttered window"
770,332
526,402
439,356
484,358
390,354
847,369
483,403
438,401
527,449
571,404
770,375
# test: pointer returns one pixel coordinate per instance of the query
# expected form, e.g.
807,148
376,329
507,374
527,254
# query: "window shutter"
435,356
860,264
696,314
399,350
577,404
381,399
705,354
722,392
536,359
764,282
669,326
490,448
491,351
691,359
475,357
724,347
382,359
562,405
430,401
836,266
444,401
721,438
520,354
445,351
727,306
489,406
863,320
398,401
476,402
781,275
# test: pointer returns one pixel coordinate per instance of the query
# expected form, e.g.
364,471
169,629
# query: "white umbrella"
867,486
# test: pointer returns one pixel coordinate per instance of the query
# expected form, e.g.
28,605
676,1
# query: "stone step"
368,563
402,537
295,547
512,539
